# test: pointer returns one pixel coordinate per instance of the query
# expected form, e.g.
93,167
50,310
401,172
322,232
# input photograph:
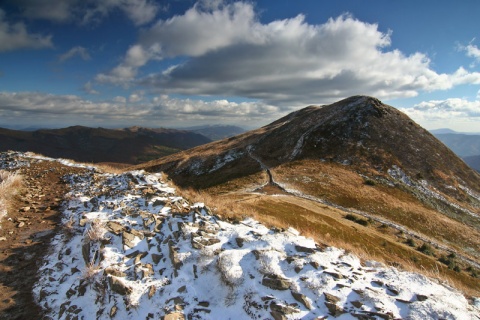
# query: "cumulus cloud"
159,110
459,114
138,11
15,36
227,51
471,50
75,51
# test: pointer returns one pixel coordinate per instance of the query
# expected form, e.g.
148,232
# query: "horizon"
246,63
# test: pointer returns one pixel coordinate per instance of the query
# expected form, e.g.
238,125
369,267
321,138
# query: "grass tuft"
11,184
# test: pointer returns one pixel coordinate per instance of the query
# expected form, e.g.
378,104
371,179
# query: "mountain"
130,145
473,161
359,131
443,131
464,145
354,162
217,132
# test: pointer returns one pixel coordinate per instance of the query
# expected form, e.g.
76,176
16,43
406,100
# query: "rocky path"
25,235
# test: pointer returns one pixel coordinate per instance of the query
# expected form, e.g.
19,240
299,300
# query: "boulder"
275,282
118,286
302,299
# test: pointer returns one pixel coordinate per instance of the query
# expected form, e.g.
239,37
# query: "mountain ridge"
129,145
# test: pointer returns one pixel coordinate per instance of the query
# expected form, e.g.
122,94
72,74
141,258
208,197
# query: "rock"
275,282
304,249
114,227
25,209
21,224
334,274
357,304
118,286
156,258
114,272
86,252
3,239
331,298
177,315
421,297
302,299
182,289
82,222
333,309
128,239
282,309
378,283
158,202
393,290
177,264
278,315
113,311
151,291
147,270
204,304
239,242
315,264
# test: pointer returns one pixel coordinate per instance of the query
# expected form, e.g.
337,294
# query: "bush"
411,242
369,182
360,221
425,248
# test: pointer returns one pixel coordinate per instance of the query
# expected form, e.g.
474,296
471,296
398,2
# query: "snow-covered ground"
132,249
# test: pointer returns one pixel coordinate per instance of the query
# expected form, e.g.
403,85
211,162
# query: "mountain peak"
360,131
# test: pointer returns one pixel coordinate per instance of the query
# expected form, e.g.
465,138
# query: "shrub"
425,248
355,219
411,242
369,182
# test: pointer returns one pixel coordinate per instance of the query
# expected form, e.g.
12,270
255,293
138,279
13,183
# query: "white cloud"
138,11
285,62
455,113
15,36
88,88
75,51
160,110
471,50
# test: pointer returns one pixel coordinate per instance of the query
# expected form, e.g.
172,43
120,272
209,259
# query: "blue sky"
118,63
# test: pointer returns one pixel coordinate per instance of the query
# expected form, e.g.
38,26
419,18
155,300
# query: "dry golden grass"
341,186
328,226
11,185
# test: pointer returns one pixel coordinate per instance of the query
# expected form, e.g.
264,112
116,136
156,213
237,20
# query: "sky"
119,63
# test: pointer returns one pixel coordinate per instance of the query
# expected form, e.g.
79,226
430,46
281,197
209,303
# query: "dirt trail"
273,187
26,233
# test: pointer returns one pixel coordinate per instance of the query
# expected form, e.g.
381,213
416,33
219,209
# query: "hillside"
127,246
131,145
357,163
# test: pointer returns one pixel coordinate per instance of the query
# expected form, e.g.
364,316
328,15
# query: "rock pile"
132,249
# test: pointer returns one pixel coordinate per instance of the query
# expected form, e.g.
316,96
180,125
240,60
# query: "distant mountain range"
466,146
216,132
130,146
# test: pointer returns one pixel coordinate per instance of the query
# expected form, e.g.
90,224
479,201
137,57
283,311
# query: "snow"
136,250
